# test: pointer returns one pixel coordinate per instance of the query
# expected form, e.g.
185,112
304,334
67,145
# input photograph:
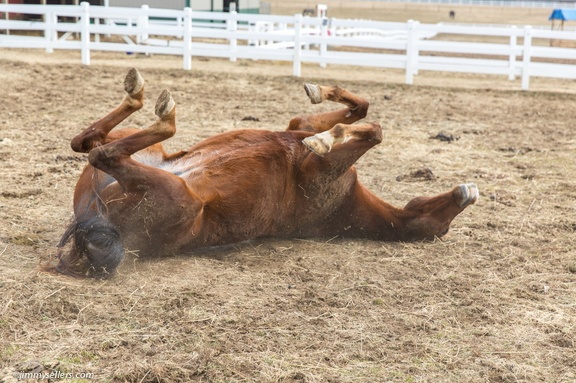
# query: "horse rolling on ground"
235,186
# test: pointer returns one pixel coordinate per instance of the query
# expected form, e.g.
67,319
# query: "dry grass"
493,302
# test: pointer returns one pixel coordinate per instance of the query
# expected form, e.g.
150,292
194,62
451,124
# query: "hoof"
134,82
165,104
314,93
320,143
468,195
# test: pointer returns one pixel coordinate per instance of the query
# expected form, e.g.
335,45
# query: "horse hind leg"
96,134
114,157
356,109
96,245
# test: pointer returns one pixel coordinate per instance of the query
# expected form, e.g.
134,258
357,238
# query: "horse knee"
86,140
376,135
299,123
78,144
105,156
362,109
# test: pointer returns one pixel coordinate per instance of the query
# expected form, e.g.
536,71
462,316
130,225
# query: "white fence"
508,51
491,3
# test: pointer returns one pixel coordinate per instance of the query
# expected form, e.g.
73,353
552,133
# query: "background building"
242,6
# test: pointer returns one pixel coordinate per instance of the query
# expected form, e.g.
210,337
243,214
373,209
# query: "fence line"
490,3
412,47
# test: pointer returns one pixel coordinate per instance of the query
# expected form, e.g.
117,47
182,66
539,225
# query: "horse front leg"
327,177
335,150
365,215
429,217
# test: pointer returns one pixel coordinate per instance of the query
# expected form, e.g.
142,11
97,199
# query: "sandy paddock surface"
495,301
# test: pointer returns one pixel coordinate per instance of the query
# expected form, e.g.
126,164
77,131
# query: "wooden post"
6,16
142,23
50,33
323,45
232,27
296,64
85,32
527,57
512,56
187,39
411,51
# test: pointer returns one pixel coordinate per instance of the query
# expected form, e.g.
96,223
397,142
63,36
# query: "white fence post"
85,32
97,36
416,46
411,51
323,45
297,65
142,26
512,57
50,34
187,43
232,26
254,27
321,10
269,30
179,25
527,57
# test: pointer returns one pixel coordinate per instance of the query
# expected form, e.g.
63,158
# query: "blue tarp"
563,14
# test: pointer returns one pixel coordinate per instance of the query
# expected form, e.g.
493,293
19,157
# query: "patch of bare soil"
492,302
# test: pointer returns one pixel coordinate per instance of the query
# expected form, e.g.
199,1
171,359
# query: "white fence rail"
508,51
491,3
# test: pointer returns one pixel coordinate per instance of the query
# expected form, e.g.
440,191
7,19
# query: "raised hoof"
468,195
134,82
319,143
314,93
165,104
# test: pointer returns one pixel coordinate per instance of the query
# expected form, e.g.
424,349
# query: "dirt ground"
494,301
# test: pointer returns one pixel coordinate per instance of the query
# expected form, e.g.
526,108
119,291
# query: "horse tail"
96,249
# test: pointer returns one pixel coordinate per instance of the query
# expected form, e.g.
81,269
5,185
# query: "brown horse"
234,186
